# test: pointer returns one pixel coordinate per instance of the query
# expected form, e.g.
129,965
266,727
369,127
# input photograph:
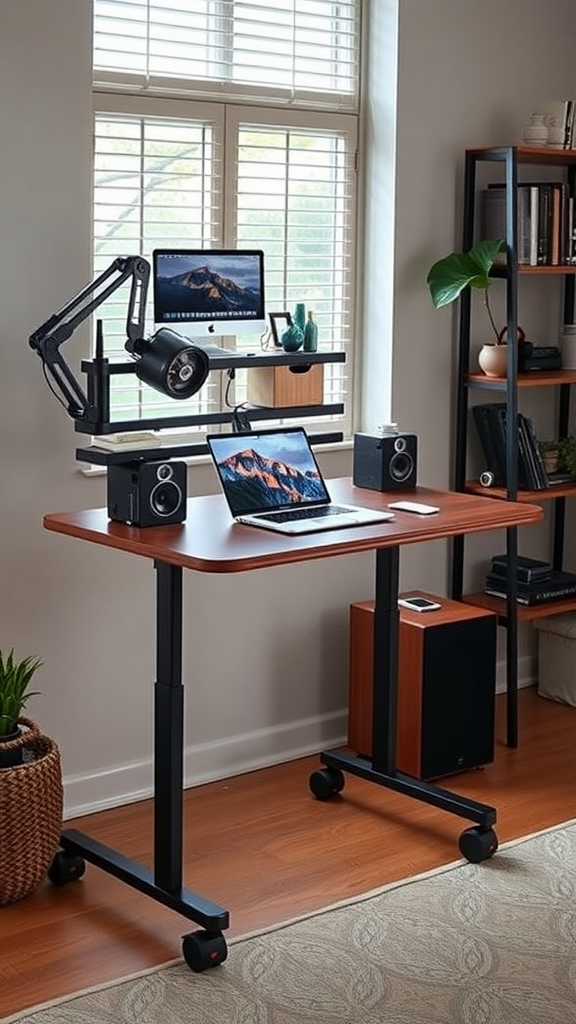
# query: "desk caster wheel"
477,844
326,783
202,950
66,867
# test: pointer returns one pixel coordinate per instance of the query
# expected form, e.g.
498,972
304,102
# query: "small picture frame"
278,323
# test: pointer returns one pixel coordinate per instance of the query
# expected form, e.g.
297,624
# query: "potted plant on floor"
15,679
31,794
449,276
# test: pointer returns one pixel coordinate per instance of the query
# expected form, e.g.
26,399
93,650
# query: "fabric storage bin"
557,658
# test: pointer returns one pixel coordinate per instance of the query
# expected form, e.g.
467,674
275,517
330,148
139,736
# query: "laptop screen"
267,471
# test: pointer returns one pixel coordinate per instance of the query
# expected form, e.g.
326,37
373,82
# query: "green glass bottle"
310,333
299,317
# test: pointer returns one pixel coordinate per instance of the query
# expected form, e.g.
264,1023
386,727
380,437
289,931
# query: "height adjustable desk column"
208,542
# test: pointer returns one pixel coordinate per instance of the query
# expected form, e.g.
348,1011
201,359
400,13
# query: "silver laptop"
271,479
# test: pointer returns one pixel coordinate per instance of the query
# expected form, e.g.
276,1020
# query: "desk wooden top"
209,541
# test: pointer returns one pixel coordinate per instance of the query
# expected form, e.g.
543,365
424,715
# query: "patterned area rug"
490,943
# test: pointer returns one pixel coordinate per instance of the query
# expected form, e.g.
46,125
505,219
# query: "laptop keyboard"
305,513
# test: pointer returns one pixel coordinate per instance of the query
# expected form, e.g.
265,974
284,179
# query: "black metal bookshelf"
511,159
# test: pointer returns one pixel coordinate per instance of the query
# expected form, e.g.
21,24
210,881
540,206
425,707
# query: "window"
230,124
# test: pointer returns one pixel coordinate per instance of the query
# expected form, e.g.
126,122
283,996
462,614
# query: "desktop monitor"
205,293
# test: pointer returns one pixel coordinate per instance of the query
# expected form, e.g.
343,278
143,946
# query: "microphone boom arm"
59,328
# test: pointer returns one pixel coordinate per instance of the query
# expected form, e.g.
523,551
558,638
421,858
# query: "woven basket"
30,813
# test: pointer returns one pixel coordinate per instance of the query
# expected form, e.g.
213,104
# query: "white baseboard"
527,673
205,762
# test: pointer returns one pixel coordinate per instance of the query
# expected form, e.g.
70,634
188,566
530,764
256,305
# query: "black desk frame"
216,547
164,883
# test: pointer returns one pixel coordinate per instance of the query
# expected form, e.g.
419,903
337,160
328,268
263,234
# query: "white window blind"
294,48
190,172
295,199
156,183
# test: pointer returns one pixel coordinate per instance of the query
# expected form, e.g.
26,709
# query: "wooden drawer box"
277,386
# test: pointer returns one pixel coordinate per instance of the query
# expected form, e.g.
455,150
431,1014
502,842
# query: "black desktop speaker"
385,462
147,493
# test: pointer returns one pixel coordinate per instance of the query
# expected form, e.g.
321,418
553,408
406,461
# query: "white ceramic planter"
492,360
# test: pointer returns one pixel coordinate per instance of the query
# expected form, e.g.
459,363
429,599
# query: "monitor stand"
211,349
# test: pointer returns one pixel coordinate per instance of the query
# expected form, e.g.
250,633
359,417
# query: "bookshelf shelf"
523,613
537,379
511,447
544,269
566,490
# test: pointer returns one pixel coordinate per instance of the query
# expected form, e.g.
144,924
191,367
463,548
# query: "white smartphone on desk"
418,604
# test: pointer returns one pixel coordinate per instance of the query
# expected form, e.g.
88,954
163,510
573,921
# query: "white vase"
535,132
492,360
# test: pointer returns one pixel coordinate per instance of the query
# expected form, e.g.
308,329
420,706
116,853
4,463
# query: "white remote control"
414,506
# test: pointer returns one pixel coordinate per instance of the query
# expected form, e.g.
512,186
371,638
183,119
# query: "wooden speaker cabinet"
446,687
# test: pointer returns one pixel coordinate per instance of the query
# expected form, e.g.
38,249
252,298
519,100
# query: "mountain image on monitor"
202,291
255,482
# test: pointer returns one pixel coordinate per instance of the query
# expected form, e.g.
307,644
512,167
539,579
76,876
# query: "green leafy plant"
565,450
449,276
567,455
15,679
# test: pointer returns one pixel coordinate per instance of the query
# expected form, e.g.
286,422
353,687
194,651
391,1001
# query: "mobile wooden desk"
209,542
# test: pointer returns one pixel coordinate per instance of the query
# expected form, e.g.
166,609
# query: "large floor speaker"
446,687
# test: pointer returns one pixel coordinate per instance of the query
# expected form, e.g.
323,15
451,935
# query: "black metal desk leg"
168,729
385,691
201,949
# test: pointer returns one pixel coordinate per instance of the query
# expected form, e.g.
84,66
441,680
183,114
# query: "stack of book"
545,221
490,419
536,581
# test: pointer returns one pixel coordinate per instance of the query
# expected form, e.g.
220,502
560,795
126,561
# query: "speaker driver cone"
401,466
165,498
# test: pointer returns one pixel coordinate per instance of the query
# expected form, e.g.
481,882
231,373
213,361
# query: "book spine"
568,124
534,197
523,225
498,418
564,222
539,461
524,576
544,195
540,597
526,469
491,453
495,412
570,119
555,223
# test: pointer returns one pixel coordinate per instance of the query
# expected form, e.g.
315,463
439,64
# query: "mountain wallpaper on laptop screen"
254,482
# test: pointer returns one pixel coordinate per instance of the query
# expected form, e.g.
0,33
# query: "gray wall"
266,677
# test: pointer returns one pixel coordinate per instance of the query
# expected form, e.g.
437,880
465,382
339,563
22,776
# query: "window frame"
119,94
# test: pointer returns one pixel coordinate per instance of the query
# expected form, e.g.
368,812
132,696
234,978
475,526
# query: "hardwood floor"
261,846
